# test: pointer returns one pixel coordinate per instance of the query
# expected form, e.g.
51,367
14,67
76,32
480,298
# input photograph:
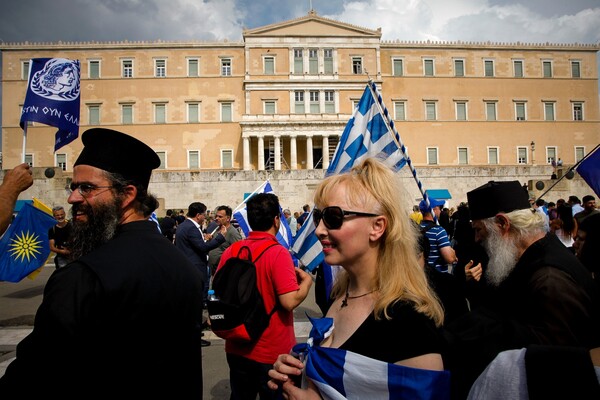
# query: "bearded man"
127,292
537,291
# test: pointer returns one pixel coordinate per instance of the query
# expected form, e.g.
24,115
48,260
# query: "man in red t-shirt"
279,284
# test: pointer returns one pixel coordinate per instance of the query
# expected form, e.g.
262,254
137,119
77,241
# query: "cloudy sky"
540,21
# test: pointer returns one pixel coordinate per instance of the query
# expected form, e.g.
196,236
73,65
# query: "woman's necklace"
348,297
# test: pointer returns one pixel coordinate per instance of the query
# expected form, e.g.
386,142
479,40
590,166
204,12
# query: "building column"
261,154
246,152
293,152
309,153
277,152
325,152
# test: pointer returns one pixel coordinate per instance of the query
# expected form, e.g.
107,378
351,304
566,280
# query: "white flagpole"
24,141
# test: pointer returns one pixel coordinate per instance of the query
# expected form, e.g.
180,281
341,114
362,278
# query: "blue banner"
24,247
53,97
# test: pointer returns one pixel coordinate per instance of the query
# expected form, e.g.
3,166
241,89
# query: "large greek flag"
53,97
341,374
284,236
367,134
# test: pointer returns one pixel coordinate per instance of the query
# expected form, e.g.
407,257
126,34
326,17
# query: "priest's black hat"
495,197
117,152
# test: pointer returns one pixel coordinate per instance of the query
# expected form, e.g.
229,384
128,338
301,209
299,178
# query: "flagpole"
389,123
24,141
569,170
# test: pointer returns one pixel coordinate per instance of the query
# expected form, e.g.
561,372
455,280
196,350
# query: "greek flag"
284,236
589,169
341,374
24,247
53,97
366,135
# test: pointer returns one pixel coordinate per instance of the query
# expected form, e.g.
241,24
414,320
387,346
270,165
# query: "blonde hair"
399,276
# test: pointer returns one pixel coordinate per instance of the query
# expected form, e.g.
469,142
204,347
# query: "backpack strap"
428,227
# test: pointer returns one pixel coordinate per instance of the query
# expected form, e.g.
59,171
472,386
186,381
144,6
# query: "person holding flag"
385,317
15,181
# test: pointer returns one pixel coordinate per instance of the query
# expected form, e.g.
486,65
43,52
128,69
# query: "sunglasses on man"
333,217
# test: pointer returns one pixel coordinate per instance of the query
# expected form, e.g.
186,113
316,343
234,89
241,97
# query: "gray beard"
503,257
101,227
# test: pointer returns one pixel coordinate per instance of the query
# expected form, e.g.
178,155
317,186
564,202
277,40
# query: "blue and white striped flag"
341,374
53,97
284,236
366,135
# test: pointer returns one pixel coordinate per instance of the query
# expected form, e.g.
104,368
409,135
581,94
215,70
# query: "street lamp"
532,144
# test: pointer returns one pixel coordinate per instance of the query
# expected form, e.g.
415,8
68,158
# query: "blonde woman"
383,310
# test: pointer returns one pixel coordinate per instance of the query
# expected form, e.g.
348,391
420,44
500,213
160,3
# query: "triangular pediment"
314,26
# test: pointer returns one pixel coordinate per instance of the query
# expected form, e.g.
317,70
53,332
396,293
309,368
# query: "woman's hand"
286,370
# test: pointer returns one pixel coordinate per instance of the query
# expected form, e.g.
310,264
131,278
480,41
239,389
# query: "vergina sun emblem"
26,246
58,80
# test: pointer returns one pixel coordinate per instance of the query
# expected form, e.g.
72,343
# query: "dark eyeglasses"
333,217
85,189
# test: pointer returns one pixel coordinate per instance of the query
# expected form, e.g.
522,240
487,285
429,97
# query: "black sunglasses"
333,217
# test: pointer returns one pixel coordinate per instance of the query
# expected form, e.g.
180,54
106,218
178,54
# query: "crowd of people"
476,303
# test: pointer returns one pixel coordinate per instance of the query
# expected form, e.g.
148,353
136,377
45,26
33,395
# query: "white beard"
503,256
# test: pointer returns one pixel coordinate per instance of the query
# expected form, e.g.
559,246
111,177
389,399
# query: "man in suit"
191,241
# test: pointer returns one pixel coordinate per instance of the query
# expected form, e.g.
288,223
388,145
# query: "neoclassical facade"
280,98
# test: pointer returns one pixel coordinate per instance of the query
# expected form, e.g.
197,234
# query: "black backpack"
237,310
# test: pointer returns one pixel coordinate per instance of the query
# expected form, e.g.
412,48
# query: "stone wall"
177,189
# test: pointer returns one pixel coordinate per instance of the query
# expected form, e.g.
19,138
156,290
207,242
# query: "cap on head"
433,202
495,197
117,152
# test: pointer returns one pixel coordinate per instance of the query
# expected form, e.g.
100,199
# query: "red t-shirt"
275,276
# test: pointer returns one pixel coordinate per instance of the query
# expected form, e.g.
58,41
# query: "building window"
397,67
61,161
518,68
549,111
579,153
160,68
463,156
29,159
492,155
520,111
399,111
428,67
459,67
313,61
163,159
577,111
126,114
490,111
430,111
160,113
193,70
521,155
547,67
299,102
313,96
461,111
298,61
432,156
193,159
328,61
226,112
355,104
550,155
269,107
226,158
269,65
127,68
488,66
25,70
193,112
94,69
357,67
94,114
226,67
329,102
575,69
